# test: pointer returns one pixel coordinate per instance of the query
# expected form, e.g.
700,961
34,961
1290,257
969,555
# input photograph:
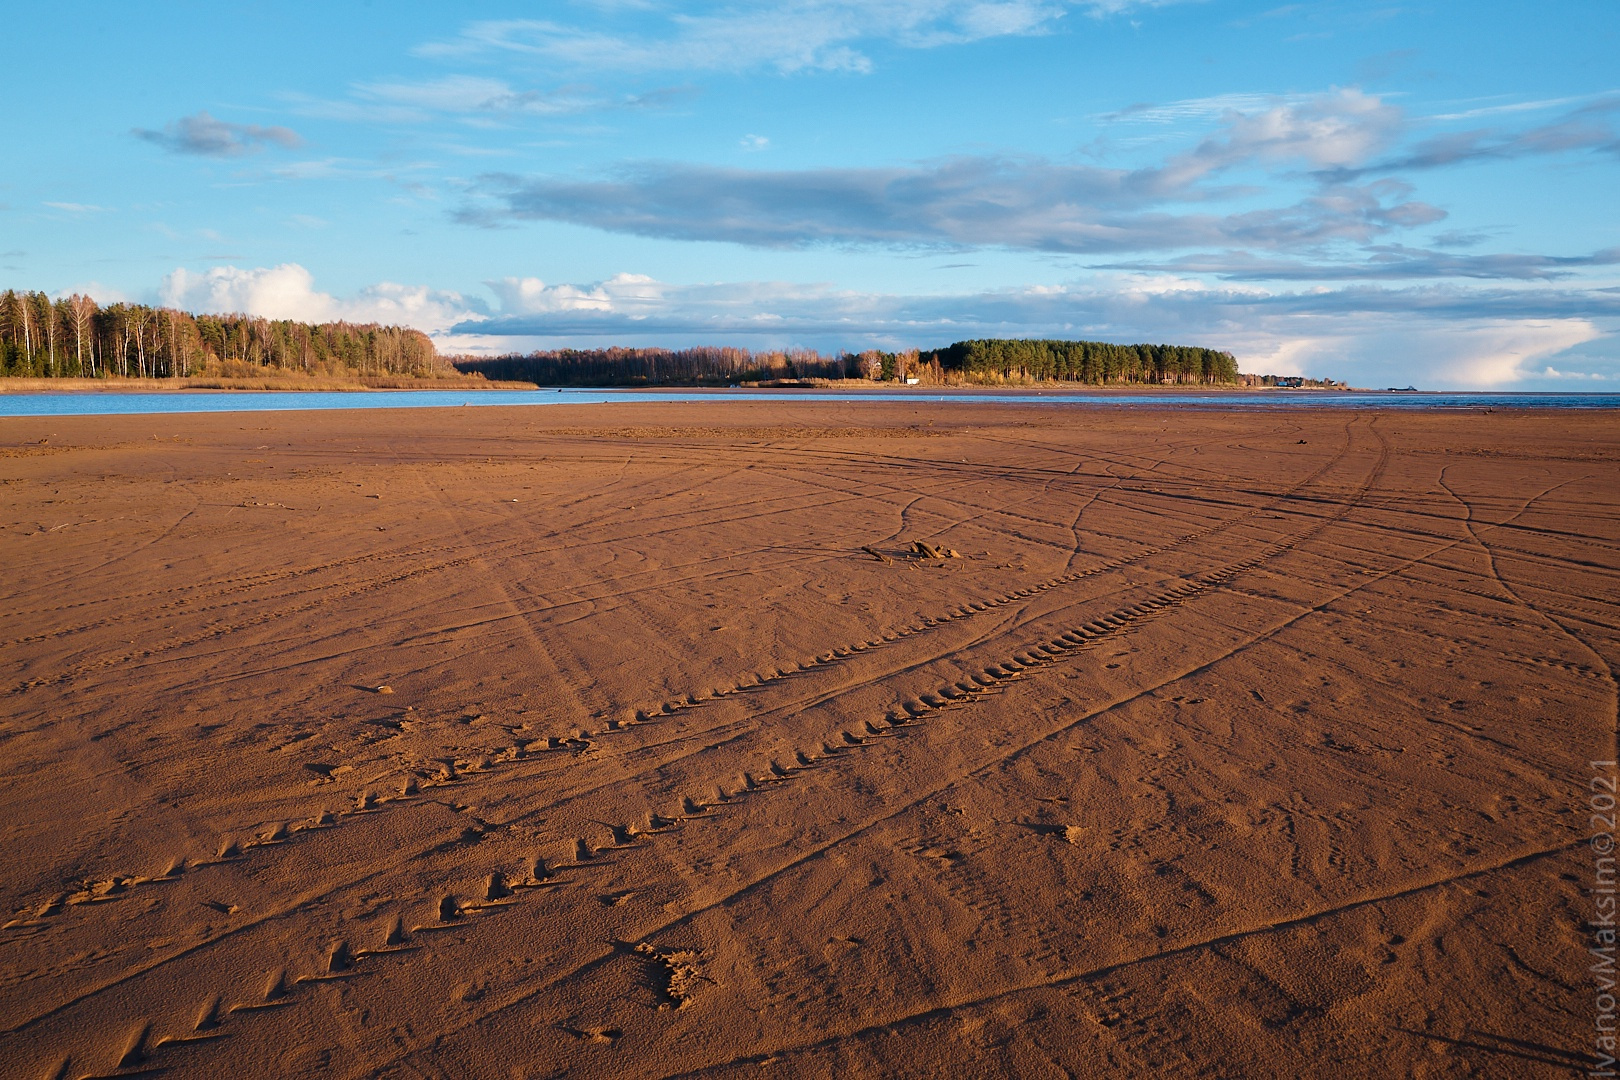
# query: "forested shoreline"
998,361
74,337
1093,362
615,366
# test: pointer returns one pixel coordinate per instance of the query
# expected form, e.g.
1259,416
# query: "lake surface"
117,403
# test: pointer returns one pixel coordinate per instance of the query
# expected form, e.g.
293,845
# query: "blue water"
110,403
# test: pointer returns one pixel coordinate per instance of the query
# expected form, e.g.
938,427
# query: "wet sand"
589,741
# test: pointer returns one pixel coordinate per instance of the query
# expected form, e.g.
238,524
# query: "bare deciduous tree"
81,312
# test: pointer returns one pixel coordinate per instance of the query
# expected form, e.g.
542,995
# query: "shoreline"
783,390
31,385
207,401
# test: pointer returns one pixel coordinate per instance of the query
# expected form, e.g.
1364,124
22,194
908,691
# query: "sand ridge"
590,741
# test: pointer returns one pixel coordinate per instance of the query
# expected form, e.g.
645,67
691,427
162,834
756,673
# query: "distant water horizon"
168,402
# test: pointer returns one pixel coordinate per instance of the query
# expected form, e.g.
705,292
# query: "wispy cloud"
204,135
77,208
1346,132
1507,108
962,202
1331,144
1590,128
475,100
787,35
1202,109
1382,262
470,94
632,303
467,93
336,168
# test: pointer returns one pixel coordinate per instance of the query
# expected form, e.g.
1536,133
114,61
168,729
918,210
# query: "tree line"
703,366
1095,362
74,337
985,360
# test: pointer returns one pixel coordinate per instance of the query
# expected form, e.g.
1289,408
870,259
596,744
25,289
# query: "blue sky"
1384,192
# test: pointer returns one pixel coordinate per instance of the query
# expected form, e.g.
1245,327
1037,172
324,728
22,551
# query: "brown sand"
589,741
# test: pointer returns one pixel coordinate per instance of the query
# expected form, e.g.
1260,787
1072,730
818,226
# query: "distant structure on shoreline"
1292,382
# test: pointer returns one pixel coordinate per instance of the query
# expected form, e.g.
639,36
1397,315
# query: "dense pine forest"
1097,362
985,361
74,337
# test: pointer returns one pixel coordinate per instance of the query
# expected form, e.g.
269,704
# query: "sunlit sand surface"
647,741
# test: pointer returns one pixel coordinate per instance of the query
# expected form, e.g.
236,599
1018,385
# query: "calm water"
106,403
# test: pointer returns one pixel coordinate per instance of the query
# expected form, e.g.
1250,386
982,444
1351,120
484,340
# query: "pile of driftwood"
920,548
929,551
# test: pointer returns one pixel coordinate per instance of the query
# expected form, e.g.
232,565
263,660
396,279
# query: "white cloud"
280,292
1436,338
288,292
429,310
1338,129
1551,372
1501,353
1501,339
102,294
1379,350
531,296
1280,356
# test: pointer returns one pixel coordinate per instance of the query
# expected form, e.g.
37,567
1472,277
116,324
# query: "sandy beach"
641,741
